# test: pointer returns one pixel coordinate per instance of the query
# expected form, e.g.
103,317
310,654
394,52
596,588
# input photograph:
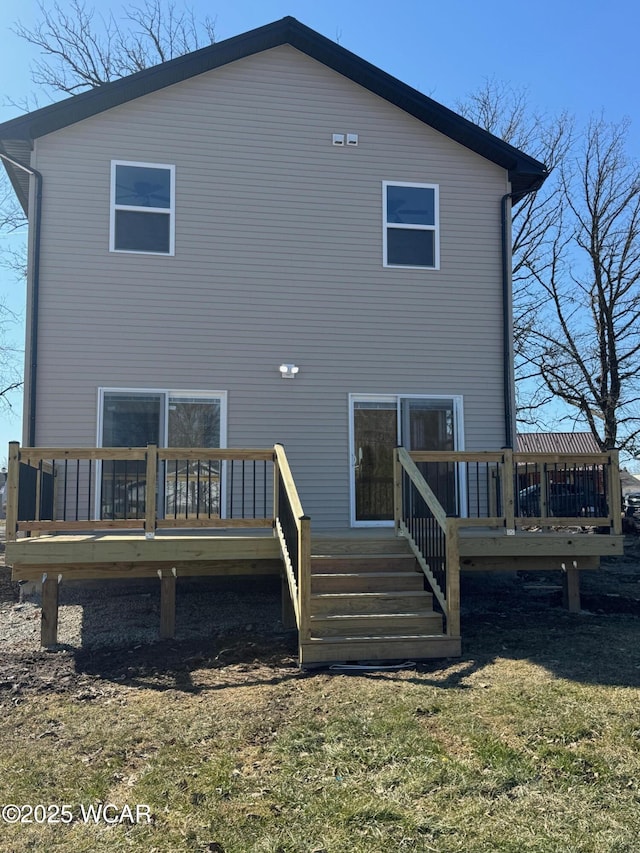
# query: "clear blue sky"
581,57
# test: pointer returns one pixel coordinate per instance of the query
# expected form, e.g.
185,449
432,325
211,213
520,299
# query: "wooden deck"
352,594
368,597
109,556
491,546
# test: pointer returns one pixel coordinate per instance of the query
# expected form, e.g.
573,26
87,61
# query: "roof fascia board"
78,107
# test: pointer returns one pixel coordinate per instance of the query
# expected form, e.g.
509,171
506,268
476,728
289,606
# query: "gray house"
272,242
270,200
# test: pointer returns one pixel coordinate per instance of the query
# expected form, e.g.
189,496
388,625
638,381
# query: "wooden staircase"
368,603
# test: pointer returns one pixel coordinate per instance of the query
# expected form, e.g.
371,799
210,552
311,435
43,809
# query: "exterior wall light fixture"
288,371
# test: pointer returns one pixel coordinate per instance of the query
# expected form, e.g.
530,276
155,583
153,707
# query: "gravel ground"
123,613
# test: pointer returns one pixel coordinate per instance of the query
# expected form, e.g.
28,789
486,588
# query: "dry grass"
529,743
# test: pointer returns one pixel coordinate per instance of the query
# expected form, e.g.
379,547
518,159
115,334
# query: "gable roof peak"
525,173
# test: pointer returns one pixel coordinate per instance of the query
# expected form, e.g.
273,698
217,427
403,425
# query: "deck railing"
293,528
58,490
437,493
517,490
53,490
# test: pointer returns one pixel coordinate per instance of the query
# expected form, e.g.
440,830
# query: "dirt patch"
89,674
247,643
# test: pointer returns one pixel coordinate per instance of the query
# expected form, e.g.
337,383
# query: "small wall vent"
352,138
338,138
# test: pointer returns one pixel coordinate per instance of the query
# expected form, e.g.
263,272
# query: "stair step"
367,582
367,563
376,625
327,545
366,603
410,647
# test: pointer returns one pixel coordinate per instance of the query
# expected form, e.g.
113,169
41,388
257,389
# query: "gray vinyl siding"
278,258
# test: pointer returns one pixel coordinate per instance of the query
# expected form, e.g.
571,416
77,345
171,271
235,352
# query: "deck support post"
288,612
150,516
49,616
571,587
615,494
452,591
397,492
13,479
167,605
276,491
508,491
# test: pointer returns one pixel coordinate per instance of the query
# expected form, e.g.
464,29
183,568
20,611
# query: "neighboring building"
557,442
270,200
571,491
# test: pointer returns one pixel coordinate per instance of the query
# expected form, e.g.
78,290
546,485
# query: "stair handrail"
424,489
293,529
449,597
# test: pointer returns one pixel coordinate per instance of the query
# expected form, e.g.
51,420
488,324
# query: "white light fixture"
288,371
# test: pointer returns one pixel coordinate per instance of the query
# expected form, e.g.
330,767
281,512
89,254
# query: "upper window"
410,217
142,207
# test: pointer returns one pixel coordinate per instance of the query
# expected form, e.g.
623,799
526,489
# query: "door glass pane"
194,422
375,437
192,488
429,425
129,420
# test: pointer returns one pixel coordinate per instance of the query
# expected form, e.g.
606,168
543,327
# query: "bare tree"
576,269
83,50
506,113
10,379
586,340
12,258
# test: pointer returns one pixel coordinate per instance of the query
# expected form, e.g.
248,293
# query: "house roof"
629,482
16,136
556,442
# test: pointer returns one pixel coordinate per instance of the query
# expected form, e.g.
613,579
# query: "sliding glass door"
375,434
381,423
192,486
131,418
429,424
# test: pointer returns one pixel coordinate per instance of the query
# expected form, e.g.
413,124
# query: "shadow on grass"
576,647
572,647
196,666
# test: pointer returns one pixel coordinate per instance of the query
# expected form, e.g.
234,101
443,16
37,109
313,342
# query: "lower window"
131,418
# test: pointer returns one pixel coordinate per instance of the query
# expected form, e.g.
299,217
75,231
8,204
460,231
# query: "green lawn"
531,742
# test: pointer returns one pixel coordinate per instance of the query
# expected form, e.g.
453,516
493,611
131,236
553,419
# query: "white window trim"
458,440
409,227
168,394
168,211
